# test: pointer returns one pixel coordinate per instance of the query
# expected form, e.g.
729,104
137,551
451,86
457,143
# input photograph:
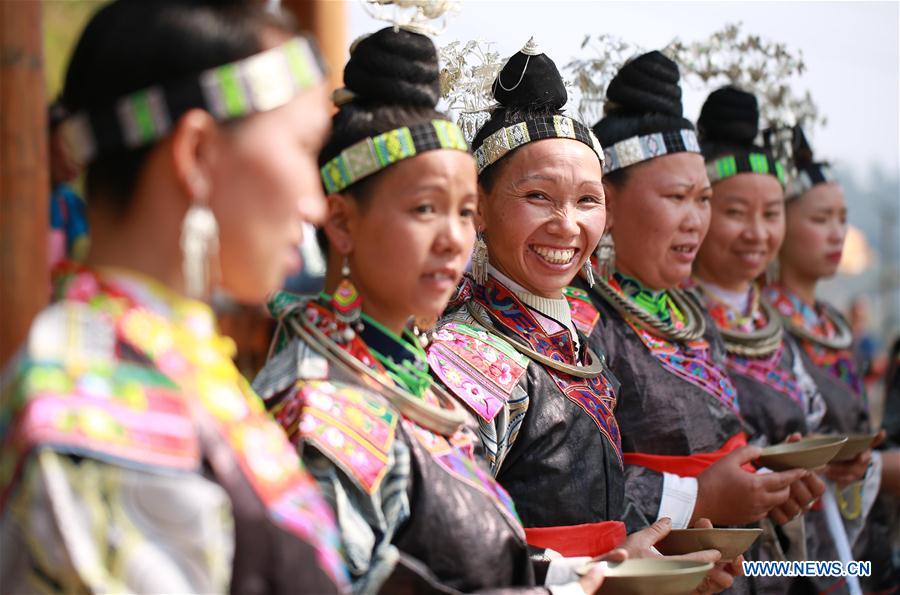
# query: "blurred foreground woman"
135,457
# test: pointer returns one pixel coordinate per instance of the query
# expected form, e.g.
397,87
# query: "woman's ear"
193,151
340,221
480,222
609,193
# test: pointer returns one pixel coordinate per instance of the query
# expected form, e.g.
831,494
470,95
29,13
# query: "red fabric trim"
590,539
690,465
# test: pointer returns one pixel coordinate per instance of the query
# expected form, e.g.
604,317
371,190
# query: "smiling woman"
509,349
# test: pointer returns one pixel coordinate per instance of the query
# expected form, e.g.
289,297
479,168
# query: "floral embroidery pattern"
179,337
839,363
354,428
594,395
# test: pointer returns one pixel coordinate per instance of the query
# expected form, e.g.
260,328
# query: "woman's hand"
592,581
639,543
803,493
729,495
722,575
847,472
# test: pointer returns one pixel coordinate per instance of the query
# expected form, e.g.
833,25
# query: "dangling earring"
199,248
606,255
480,260
347,303
587,270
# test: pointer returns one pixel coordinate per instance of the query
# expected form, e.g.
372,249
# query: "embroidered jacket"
836,377
136,458
779,397
675,399
551,438
415,510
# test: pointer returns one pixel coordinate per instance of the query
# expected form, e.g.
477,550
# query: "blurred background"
850,50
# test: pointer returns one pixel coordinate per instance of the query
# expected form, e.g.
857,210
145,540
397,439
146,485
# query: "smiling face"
816,225
408,240
658,217
544,214
745,232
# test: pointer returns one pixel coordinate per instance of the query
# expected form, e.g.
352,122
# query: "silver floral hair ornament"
591,75
417,16
766,68
468,71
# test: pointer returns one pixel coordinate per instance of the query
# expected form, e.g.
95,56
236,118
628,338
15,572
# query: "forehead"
447,167
549,156
675,169
749,187
822,197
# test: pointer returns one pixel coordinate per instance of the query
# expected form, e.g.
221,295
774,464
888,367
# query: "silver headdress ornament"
765,68
591,76
413,15
467,72
760,66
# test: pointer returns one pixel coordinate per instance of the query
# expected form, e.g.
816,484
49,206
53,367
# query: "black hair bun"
729,115
802,152
394,68
647,84
530,79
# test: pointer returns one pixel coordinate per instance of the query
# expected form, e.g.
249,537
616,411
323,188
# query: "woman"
508,348
678,410
135,456
387,447
816,225
778,400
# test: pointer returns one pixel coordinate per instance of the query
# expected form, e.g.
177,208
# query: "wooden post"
327,20
24,175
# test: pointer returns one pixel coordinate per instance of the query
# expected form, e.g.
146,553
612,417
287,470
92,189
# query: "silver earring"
199,249
606,255
480,260
588,271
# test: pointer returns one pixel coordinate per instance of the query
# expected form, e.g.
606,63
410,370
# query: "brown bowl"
808,453
651,576
731,543
855,444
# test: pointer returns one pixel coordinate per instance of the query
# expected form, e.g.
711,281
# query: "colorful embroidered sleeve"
487,376
367,522
99,482
81,525
348,440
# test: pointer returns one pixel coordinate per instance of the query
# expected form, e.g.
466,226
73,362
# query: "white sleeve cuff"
678,499
562,570
567,589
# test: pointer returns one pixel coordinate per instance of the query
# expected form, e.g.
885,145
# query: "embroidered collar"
516,317
657,303
558,310
810,317
120,288
403,358
727,316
